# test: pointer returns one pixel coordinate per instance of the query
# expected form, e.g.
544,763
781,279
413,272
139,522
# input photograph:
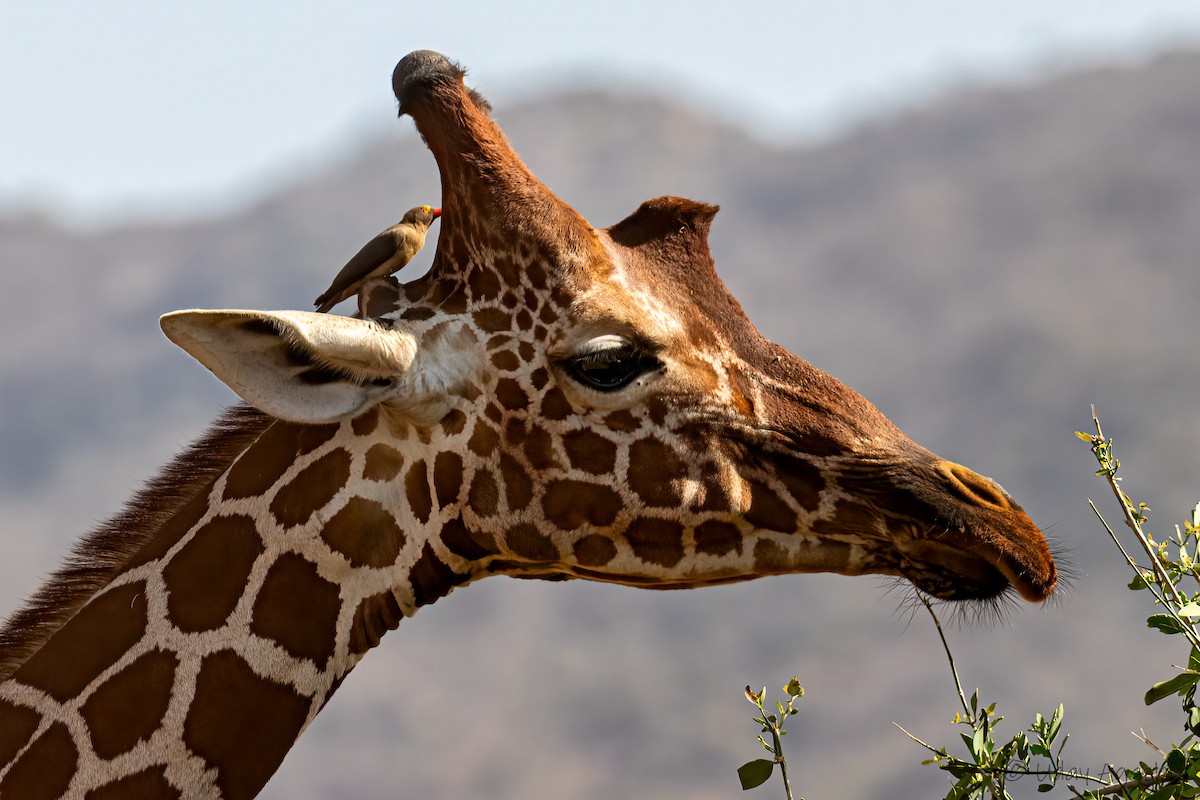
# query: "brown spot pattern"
505,360
658,409
518,486
366,533
716,538
17,724
769,557
527,542
171,532
534,272
241,724
493,320
484,283
416,488
365,424
484,497
653,466
848,517
483,439
656,541
802,479
382,463
149,784
417,313
375,616
44,771
89,643
539,449
208,575
588,451
716,494
431,578
129,706
298,609
260,466
511,395
312,488
571,504
461,542
594,550
454,422
447,477
555,405
622,421
767,511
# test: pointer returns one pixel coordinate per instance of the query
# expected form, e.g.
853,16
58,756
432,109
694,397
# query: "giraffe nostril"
973,487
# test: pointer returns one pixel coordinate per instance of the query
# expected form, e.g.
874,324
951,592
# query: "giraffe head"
563,401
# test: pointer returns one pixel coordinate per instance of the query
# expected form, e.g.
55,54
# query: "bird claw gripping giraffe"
552,400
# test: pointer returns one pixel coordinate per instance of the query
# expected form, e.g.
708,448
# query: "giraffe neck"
200,658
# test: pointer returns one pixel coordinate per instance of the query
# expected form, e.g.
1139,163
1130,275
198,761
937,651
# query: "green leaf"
1182,681
1165,622
1176,760
978,740
1087,437
1055,723
1138,582
1190,610
794,689
1045,787
755,773
1164,793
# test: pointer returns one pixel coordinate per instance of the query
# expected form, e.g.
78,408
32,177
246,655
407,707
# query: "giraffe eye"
611,363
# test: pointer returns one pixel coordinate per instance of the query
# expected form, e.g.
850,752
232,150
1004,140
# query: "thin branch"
962,698
1132,783
926,745
1133,524
1160,572
1153,587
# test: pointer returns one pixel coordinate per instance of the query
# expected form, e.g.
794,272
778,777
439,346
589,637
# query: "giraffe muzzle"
980,537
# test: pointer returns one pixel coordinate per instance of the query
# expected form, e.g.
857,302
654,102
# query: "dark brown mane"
98,557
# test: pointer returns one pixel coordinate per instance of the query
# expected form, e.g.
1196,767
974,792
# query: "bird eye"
610,363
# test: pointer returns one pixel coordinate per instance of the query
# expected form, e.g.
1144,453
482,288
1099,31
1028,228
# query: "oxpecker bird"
383,255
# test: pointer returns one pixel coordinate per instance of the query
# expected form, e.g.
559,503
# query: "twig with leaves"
757,772
992,762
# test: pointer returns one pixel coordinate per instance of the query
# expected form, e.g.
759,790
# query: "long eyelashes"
611,366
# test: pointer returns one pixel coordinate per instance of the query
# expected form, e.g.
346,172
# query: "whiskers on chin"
984,612
987,612
1068,570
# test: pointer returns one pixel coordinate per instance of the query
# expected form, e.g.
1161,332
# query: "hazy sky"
117,107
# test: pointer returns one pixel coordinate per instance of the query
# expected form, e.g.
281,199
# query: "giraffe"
551,401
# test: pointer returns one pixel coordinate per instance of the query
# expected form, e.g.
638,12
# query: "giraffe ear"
296,365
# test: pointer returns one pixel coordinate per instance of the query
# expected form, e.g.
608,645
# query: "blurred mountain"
982,268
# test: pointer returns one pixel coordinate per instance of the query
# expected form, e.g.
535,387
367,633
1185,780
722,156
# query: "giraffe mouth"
957,570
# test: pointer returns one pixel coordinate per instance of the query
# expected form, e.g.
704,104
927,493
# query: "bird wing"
372,255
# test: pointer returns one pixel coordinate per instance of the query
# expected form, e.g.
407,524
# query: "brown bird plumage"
383,255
